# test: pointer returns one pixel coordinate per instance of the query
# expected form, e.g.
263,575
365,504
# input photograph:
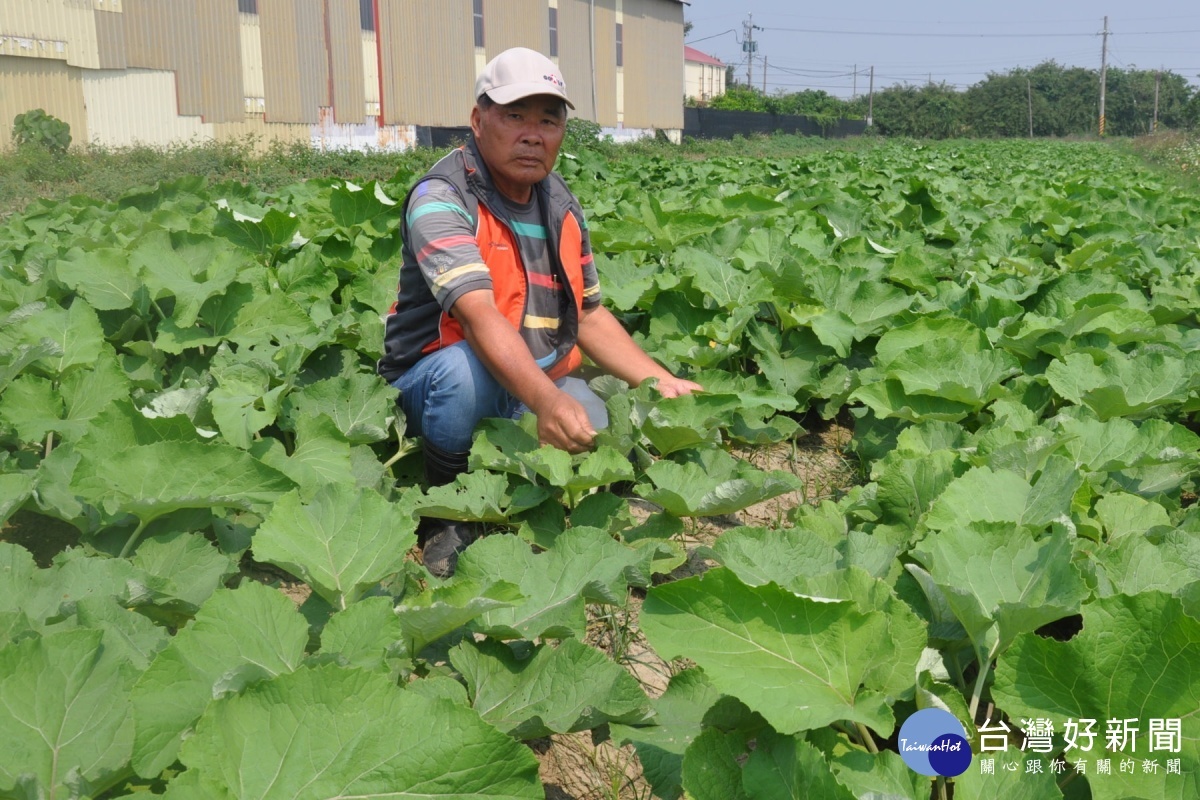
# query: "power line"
900,34
715,35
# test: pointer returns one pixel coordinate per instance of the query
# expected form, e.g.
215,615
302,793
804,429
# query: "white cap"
520,72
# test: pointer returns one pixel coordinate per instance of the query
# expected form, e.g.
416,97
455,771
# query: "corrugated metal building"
356,73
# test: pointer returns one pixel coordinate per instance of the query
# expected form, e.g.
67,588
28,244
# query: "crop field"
1007,333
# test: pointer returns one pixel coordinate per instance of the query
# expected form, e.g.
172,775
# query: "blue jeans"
447,393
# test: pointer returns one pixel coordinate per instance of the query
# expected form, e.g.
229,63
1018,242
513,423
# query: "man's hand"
563,423
676,387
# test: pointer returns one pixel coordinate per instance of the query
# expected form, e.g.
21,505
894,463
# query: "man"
498,291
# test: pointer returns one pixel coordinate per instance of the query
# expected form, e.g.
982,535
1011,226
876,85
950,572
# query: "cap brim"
519,91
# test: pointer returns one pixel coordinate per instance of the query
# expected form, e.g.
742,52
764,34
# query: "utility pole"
854,91
749,46
1157,83
764,74
871,99
1103,73
1029,92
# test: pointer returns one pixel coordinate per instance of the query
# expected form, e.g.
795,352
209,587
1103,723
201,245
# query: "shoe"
441,543
441,540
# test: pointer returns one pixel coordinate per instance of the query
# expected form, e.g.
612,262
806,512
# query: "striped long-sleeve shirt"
442,237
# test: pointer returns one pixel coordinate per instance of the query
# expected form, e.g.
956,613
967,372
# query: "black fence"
699,123
711,123
441,138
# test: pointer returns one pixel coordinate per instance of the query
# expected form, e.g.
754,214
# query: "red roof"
694,55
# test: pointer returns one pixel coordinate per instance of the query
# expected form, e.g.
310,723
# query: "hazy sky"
821,45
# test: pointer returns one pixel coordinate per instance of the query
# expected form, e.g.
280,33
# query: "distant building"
349,73
703,75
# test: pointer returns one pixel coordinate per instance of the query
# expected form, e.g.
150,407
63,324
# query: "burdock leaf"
328,731
150,480
799,662
584,564
342,542
65,713
251,627
1137,658
560,689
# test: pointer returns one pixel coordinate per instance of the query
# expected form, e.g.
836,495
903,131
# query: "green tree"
932,111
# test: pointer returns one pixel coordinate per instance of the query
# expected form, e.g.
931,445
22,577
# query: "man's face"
519,142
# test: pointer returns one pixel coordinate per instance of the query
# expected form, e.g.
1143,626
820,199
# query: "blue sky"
823,45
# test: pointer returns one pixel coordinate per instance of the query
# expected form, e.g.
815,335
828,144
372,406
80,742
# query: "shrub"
36,127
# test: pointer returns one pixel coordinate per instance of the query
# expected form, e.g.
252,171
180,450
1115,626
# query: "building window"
553,32
620,45
477,11
366,14
248,6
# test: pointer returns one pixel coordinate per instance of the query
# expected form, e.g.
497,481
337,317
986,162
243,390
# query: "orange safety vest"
416,325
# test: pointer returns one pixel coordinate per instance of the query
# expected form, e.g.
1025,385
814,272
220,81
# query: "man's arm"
562,421
606,342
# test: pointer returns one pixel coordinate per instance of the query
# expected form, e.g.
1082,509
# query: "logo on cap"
557,81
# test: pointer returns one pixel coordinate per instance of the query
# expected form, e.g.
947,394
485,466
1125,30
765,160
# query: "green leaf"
712,766
190,270
184,569
1168,562
361,406
341,543
363,634
350,208
321,457
1126,514
332,732
799,662
601,467
238,636
941,368
1001,582
21,356
887,398
1096,675
87,392
688,421
712,482
65,715
31,407
150,480
15,489
787,768
473,497
561,689
103,277
584,565
1122,385
1115,444
50,595
1003,784
980,495
908,486
678,715
881,776
264,237
445,609
727,285
625,282
34,406
132,637
74,333
759,556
